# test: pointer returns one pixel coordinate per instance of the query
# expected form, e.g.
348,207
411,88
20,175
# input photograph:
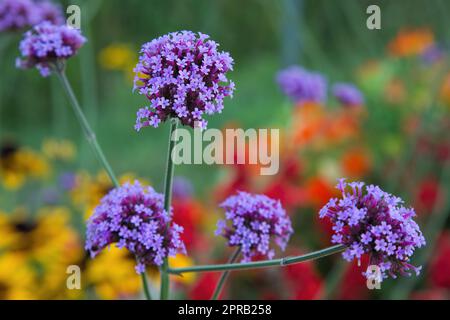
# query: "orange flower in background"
395,91
445,90
319,191
308,123
313,125
356,163
341,126
411,42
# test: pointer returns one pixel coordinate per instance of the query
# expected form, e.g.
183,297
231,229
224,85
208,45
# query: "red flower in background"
427,196
430,294
204,287
285,187
304,281
188,214
354,285
319,191
439,274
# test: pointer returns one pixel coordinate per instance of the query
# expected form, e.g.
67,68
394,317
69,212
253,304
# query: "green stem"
145,286
165,284
89,133
91,138
261,264
224,275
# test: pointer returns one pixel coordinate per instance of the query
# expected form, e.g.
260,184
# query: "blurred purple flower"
67,181
348,95
433,54
301,85
183,76
133,217
51,196
48,44
21,14
17,14
372,221
51,12
250,223
182,188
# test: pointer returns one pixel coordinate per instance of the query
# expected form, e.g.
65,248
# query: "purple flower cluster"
370,221
348,95
183,76
133,217
47,44
301,85
253,221
20,14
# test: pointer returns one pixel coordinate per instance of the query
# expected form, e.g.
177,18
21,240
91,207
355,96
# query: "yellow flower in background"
39,248
89,190
112,274
62,150
411,42
179,261
17,279
17,164
118,57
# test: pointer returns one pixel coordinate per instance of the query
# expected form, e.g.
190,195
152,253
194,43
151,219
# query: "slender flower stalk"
165,283
145,286
260,264
224,275
90,135
92,140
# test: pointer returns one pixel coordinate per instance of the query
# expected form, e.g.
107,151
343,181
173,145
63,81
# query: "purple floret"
251,221
183,75
47,44
370,221
133,217
348,95
301,85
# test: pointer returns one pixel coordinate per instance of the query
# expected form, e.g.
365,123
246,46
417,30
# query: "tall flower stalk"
168,182
47,47
92,140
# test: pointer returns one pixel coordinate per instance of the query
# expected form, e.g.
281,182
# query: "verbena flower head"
17,14
301,85
251,221
183,75
133,217
47,44
370,221
348,95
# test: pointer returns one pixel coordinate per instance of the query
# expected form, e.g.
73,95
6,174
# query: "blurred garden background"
398,138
